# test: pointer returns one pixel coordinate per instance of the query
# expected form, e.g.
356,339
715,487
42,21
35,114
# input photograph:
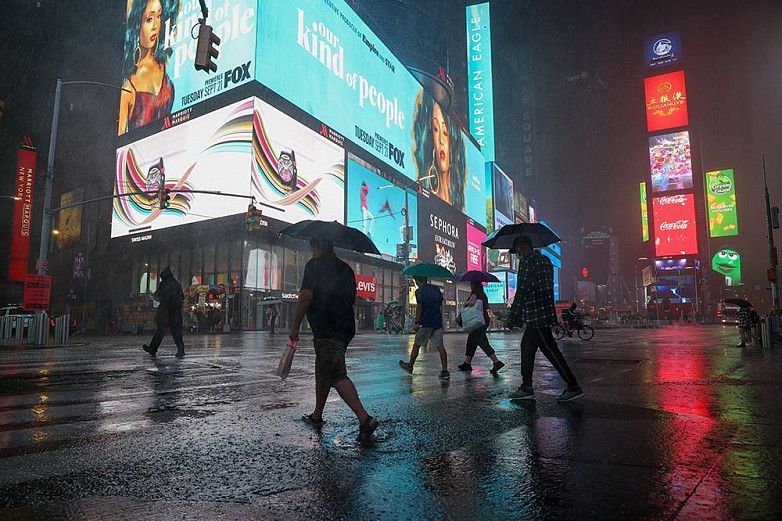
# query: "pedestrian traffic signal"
253,220
206,49
2,109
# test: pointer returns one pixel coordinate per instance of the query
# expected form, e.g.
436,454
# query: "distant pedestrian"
428,325
271,318
748,318
327,296
478,337
533,309
169,313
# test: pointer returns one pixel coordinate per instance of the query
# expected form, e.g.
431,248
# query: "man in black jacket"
169,313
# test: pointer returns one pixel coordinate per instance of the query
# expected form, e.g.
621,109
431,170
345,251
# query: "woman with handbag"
477,338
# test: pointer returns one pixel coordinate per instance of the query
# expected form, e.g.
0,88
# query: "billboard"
157,65
442,234
479,77
663,49
503,198
666,101
247,148
727,262
69,220
495,291
377,207
475,190
24,189
721,203
520,207
674,222
644,213
670,162
475,250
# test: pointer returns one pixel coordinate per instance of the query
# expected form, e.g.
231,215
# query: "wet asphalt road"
677,424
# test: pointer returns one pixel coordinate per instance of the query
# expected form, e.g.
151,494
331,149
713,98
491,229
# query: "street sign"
37,291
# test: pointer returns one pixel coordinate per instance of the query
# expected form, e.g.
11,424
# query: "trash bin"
765,333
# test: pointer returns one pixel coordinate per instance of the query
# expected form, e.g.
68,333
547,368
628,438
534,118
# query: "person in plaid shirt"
533,309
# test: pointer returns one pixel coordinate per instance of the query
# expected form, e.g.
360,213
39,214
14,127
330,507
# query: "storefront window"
197,265
222,264
209,264
263,269
154,269
291,269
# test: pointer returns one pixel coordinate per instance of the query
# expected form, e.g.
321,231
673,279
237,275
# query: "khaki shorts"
329,361
428,335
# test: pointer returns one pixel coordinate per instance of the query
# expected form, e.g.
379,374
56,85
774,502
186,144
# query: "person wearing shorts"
327,295
428,325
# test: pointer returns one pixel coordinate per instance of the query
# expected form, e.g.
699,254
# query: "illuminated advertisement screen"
520,207
479,77
475,250
475,191
495,291
644,213
158,62
674,222
377,207
670,162
663,49
721,203
247,148
442,234
666,101
727,262
503,198
511,285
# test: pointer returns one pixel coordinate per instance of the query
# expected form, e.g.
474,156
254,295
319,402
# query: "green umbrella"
427,270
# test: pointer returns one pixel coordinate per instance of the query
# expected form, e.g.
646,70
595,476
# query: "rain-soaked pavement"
677,424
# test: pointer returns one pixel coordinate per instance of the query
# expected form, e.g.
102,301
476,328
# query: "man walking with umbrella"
533,308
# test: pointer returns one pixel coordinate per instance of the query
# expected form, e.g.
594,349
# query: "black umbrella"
340,235
502,239
740,302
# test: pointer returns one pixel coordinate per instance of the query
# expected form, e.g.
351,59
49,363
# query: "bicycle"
584,331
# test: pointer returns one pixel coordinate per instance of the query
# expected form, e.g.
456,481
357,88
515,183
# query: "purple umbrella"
477,276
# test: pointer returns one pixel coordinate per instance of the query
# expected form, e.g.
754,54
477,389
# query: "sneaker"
522,393
496,367
366,429
445,375
465,367
407,366
570,394
148,350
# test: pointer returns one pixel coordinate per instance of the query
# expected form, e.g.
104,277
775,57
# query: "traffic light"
165,197
775,217
2,109
253,220
206,49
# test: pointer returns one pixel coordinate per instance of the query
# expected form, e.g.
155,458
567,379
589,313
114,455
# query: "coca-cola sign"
675,228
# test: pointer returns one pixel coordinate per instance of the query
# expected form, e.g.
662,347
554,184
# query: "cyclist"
571,317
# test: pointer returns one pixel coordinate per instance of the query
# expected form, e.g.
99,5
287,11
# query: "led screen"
727,262
663,49
644,213
247,148
158,61
666,101
512,285
377,207
670,162
721,203
475,250
442,234
674,222
520,207
503,198
475,191
479,74
495,291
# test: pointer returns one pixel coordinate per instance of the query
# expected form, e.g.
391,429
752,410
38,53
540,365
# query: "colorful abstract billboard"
246,148
727,263
479,77
376,206
475,250
721,203
644,213
675,228
670,162
157,66
503,198
663,49
666,101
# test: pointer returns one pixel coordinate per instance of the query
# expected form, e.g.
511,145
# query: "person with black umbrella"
533,309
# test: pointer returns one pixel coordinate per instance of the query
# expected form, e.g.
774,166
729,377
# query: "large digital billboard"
376,206
674,222
721,203
727,262
475,189
503,198
475,250
666,101
663,49
479,77
644,213
159,77
247,148
442,234
670,162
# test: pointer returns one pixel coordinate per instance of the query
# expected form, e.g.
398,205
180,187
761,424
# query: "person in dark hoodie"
169,313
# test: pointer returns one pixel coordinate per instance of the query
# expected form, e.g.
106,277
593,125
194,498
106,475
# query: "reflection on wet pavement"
676,424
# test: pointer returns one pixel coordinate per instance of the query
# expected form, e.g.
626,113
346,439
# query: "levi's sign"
366,287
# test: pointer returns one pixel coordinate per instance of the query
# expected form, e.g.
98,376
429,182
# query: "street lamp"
406,237
635,275
12,197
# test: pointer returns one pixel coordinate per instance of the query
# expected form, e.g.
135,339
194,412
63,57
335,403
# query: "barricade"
62,330
38,329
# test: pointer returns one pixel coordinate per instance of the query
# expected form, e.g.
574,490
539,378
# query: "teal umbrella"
427,270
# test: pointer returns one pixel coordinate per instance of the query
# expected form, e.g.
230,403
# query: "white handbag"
472,317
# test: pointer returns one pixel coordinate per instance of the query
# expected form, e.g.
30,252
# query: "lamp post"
406,238
635,275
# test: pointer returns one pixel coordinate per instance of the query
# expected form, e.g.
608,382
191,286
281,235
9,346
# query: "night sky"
587,68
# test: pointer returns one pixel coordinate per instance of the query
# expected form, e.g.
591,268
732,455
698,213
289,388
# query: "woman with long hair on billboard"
151,93
439,151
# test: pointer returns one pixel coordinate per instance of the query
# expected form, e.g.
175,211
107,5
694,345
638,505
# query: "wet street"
677,423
